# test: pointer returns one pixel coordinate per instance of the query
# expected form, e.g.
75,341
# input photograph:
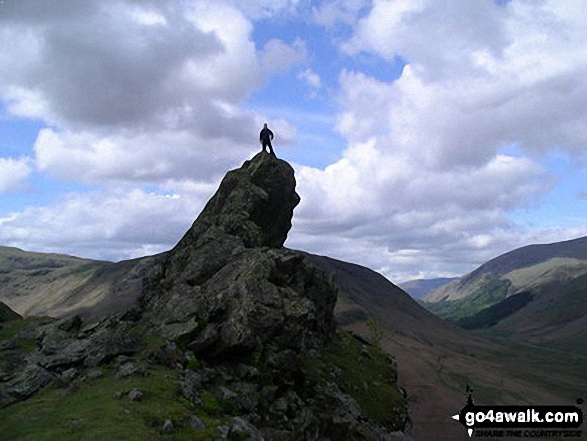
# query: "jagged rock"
272,434
25,384
247,395
135,395
127,369
193,382
286,361
245,321
245,371
224,431
7,314
95,373
227,288
253,204
227,394
72,324
241,428
7,345
275,294
68,375
61,345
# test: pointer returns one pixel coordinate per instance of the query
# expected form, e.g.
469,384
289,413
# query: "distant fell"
539,291
420,287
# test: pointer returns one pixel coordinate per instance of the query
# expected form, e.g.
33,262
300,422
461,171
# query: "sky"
427,137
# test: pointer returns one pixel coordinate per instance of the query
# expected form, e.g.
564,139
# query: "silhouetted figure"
265,138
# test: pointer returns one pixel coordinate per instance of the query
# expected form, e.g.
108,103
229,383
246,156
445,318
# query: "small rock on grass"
96,373
135,395
167,427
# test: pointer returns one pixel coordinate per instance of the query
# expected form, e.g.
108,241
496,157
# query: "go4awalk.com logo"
521,421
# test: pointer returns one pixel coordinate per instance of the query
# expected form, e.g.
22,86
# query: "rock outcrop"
247,324
228,286
7,314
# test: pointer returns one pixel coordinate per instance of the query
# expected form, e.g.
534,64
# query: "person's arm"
271,134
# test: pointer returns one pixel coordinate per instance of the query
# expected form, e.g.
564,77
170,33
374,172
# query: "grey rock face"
24,384
228,288
254,203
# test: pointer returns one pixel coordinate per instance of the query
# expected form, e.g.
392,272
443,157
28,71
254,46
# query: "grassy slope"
554,285
521,258
483,297
95,409
419,287
33,283
436,360
57,285
92,411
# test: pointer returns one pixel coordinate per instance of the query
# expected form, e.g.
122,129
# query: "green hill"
538,292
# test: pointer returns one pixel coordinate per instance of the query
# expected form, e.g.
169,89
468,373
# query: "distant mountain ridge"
532,291
420,287
56,285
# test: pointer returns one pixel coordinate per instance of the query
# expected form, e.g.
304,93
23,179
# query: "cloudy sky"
427,137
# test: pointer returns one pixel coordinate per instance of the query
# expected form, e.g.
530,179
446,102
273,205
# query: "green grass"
494,314
488,295
22,346
381,400
93,412
10,329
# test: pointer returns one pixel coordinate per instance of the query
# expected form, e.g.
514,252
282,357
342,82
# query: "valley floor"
435,377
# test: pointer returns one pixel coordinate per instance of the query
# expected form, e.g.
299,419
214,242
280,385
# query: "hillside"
39,284
437,360
57,285
420,287
537,287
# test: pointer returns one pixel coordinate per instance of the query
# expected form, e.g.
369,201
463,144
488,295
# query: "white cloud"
112,224
143,92
331,12
13,173
312,79
132,90
140,157
425,182
278,56
263,9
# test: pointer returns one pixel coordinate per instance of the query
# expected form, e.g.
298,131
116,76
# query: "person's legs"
270,148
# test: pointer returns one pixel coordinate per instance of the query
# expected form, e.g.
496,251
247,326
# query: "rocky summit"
240,329
229,286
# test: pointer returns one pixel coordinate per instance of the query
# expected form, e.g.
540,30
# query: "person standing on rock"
265,138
